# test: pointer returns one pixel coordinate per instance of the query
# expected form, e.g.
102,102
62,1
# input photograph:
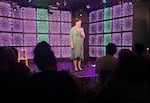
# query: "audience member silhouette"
49,84
106,65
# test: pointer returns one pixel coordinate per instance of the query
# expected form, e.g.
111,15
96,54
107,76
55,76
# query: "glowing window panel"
56,51
107,13
55,40
92,51
92,28
108,26
43,37
5,24
116,38
130,48
127,24
30,52
100,14
92,16
29,26
5,9
66,16
29,13
127,39
42,27
30,40
117,52
92,40
116,25
17,13
99,39
117,11
42,14
17,39
65,40
54,27
65,27
66,52
127,9
99,51
5,39
100,27
17,25
107,39
104,50
55,16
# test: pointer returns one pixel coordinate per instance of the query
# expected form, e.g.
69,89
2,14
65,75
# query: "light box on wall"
116,38
30,40
42,14
117,24
92,40
54,27
99,51
127,9
100,14
65,40
55,16
65,28
127,39
5,39
42,27
66,16
57,51
17,25
92,16
17,13
107,13
5,24
127,24
92,51
29,13
107,26
100,27
117,11
29,26
5,9
99,39
92,28
43,37
66,52
107,39
55,40
17,39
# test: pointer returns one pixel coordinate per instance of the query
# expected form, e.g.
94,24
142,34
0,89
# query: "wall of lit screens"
111,24
25,27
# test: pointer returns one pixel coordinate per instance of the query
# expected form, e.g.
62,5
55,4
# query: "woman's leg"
79,64
75,64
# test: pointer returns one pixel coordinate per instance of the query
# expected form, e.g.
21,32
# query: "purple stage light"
5,39
92,16
127,24
127,9
92,40
100,27
29,13
17,25
66,16
117,11
116,38
65,40
5,24
99,39
55,16
54,27
56,51
30,40
66,52
92,28
65,28
116,25
99,51
92,51
100,14
55,40
17,39
29,26
5,9
127,39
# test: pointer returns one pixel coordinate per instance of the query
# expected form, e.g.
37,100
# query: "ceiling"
71,5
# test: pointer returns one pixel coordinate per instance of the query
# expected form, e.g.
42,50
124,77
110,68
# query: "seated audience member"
126,86
49,84
106,65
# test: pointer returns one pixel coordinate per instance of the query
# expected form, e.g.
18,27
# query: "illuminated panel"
107,39
5,24
66,52
5,9
42,27
92,28
65,40
100,14
108,26
127,24
17,13
92,40
117,52
43,37
99,40
130,48
92,51
65,27
107,13
66,16
56,51
55,40
54,27
29,13
116,25
17,25
92,16
55,16
29,26
117,11
99,51
116,38
127,9
30,40
17,39
30,52
100,27
127,39
5,39
42,14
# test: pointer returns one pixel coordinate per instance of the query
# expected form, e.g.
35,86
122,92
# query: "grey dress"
77,40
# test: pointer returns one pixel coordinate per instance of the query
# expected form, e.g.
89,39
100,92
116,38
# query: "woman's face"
78,23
